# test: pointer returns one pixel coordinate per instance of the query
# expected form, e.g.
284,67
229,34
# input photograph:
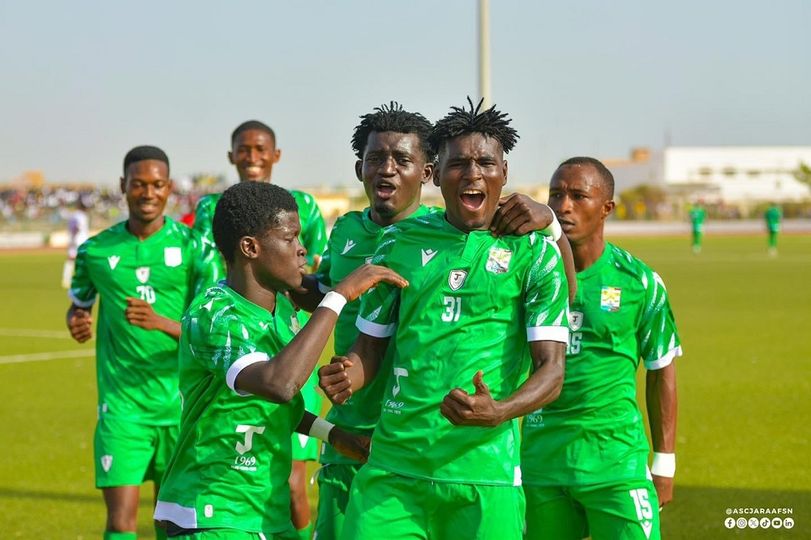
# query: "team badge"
294,324
172,256
498,261
112,260
106,462
610,298
456,279
575,320
142,274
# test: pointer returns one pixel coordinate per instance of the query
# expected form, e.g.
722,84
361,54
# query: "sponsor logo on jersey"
456,279
112,260
142,274
106,462
427,255
349,245
302,439
610,298
172,256
498,262
369,260
294,324
575,320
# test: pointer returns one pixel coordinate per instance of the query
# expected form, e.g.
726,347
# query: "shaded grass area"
744,387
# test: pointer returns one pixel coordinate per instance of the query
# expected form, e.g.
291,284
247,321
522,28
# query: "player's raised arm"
351,445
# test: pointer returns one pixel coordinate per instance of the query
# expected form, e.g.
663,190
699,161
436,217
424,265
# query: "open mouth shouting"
472,199
384,190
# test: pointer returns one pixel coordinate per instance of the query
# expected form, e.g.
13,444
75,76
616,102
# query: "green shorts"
306,448
624,510
232,534
391,506
127,454
334,483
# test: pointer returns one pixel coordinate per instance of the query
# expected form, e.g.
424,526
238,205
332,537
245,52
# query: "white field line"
39,357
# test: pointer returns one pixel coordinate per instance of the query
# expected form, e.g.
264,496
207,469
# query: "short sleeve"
204,217
379,306
207,270
82,290
546,299
657,336
314,233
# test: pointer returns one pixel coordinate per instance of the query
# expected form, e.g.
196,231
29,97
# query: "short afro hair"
252,124
461,121
602,170
248,209
393,117
143,153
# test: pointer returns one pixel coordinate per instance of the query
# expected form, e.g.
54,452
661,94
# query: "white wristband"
663,465
334,301
554,228
321,428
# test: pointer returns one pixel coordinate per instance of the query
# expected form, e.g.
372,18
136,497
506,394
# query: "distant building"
729,174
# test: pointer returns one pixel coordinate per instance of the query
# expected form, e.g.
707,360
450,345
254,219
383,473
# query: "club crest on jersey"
142,274
106,462
575,320
610,298
172,256
498,262
456,279
112,260
294,324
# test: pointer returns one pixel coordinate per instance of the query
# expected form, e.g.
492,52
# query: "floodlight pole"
484,52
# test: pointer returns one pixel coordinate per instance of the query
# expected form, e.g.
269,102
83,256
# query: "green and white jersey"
233,455
136,369
594,433
773,216
313,231
473,302
697,217
352,243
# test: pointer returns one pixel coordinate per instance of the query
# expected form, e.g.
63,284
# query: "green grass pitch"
744,387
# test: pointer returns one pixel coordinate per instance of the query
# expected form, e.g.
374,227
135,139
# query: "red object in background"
187,219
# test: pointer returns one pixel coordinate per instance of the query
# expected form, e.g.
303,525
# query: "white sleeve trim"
323,288
181,516
375,329
664,361
239,365
548,333
81,303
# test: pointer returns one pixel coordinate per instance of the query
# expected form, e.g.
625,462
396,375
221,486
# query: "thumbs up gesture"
477,409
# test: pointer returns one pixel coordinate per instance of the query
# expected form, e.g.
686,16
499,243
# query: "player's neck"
144,229
587,251
385,221
244,283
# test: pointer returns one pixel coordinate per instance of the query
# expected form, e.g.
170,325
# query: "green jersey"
313,231
136,369
352,243
473,302
233,455
593,433
697,217
773,216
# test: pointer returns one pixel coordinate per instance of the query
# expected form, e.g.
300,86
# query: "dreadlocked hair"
461,121
393,117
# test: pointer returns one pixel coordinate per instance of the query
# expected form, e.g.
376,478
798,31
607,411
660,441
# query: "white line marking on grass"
28,332
39,357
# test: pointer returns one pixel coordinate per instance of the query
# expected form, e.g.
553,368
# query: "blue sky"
82,82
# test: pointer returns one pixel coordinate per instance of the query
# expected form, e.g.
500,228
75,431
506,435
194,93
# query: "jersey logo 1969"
427,255
142,274
456,279
172,256
610,298
391,405
349,245
498,261
112,260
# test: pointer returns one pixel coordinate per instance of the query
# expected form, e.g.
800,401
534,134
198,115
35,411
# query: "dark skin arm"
140,313
350,445
519,214
542,387
279,381
662,405
80,323
346,374
308,296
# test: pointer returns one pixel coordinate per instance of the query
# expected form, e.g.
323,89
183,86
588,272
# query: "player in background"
697,217
254,153
145,271
773,216
585,455
244,356
394,161
78,231
444,459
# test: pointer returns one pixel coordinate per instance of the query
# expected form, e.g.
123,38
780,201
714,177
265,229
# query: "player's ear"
608,207
249,247
506,170
436,175
277,155
123,185
231,158
359,170
427,172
